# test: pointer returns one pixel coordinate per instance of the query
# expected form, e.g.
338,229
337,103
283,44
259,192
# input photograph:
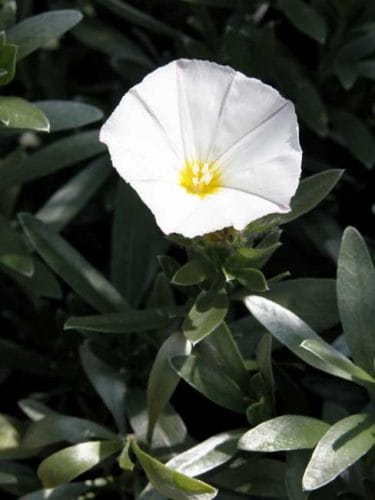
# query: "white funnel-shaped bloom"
205,147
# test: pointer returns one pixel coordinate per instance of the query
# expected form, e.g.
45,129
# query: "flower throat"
200,178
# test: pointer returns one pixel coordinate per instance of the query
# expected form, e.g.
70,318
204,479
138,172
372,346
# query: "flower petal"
203,88
228,208
169,202
250,103
146,124
267,162
177,211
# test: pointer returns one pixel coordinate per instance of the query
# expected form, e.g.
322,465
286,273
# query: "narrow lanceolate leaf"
263,357
205,456
20,114
63,115
366,69
342,445
10,432
214,384
42,283
67,464
171,483
85,280
136,16
296,464
56,156
134,260
67,202
161,294
124,460
13,251
311,192
8,57
338,364
170,430
73,490
16,357
302,340
255,477
127,322
34,409
282,323
346,72
16,479
222,346
356,298
193,272
314,300
352,133
305,18
57,428
206,314
108,382
36,31
288,432
163,379
105,38
311,107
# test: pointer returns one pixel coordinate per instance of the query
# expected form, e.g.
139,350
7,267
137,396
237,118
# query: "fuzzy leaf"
342,445
305,18
163,380
352,133
67,464
338,364
288,432
72,267
356,298
171,483
223,347
124,460
114,43
134,262
294,333
311,192
20,114
207,455
8,57
63,115
127,322
67,202
311,108
34,32
207,313
56,428
56,156
13,251
215,385
137,17
108,383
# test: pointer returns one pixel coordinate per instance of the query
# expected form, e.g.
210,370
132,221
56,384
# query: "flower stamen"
200,178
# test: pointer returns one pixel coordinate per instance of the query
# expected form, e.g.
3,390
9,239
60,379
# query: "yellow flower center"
200,178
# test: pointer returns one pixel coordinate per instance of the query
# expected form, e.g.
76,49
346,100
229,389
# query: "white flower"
205,147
